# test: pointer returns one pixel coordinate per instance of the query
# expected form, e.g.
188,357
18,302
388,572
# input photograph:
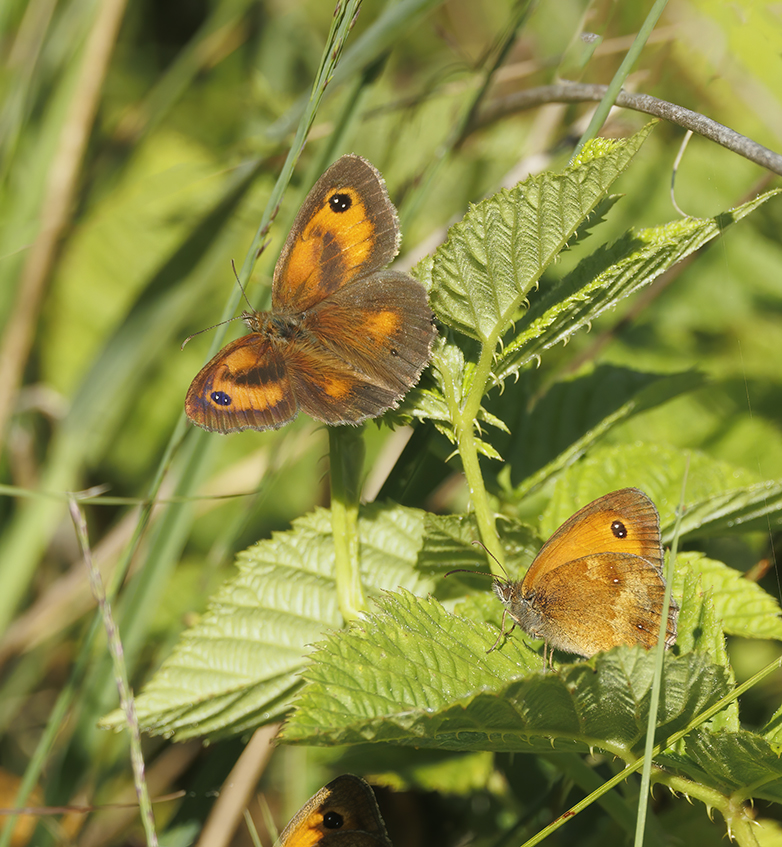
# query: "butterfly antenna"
482,573
488,552
239,282
236,318
209,328
465,570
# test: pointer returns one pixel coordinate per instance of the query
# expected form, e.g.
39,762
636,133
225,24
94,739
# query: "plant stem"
615,86
120,675
346,450
739,823
465,422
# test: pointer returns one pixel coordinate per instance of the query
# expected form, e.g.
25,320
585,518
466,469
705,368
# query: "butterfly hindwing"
625,591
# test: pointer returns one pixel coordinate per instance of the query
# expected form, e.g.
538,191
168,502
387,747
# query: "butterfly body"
598,581
345,340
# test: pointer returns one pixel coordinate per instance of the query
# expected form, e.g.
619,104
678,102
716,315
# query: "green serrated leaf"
772,732
493,257
238,667
449,541
700,629
604,278
453,373
739,764
742,607
450,544
757,506
431,406
657,469
450,371
413,674
576,413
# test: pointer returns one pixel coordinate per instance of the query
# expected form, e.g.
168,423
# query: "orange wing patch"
337,388
338,240
381,326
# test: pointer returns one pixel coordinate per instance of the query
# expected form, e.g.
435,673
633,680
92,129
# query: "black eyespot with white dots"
333,820
220,398
619,529
340,203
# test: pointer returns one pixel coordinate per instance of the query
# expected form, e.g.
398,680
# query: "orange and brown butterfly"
342,814
345,340
597,582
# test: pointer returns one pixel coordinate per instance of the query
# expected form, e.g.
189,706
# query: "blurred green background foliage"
139,145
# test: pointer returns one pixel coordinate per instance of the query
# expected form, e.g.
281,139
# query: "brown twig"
576,92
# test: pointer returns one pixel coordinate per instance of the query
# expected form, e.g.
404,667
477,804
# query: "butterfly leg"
502,634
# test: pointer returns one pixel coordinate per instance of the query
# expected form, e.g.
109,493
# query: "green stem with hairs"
465,421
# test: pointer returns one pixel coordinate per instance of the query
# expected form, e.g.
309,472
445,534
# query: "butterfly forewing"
623,521
346,228
245,386
342,814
